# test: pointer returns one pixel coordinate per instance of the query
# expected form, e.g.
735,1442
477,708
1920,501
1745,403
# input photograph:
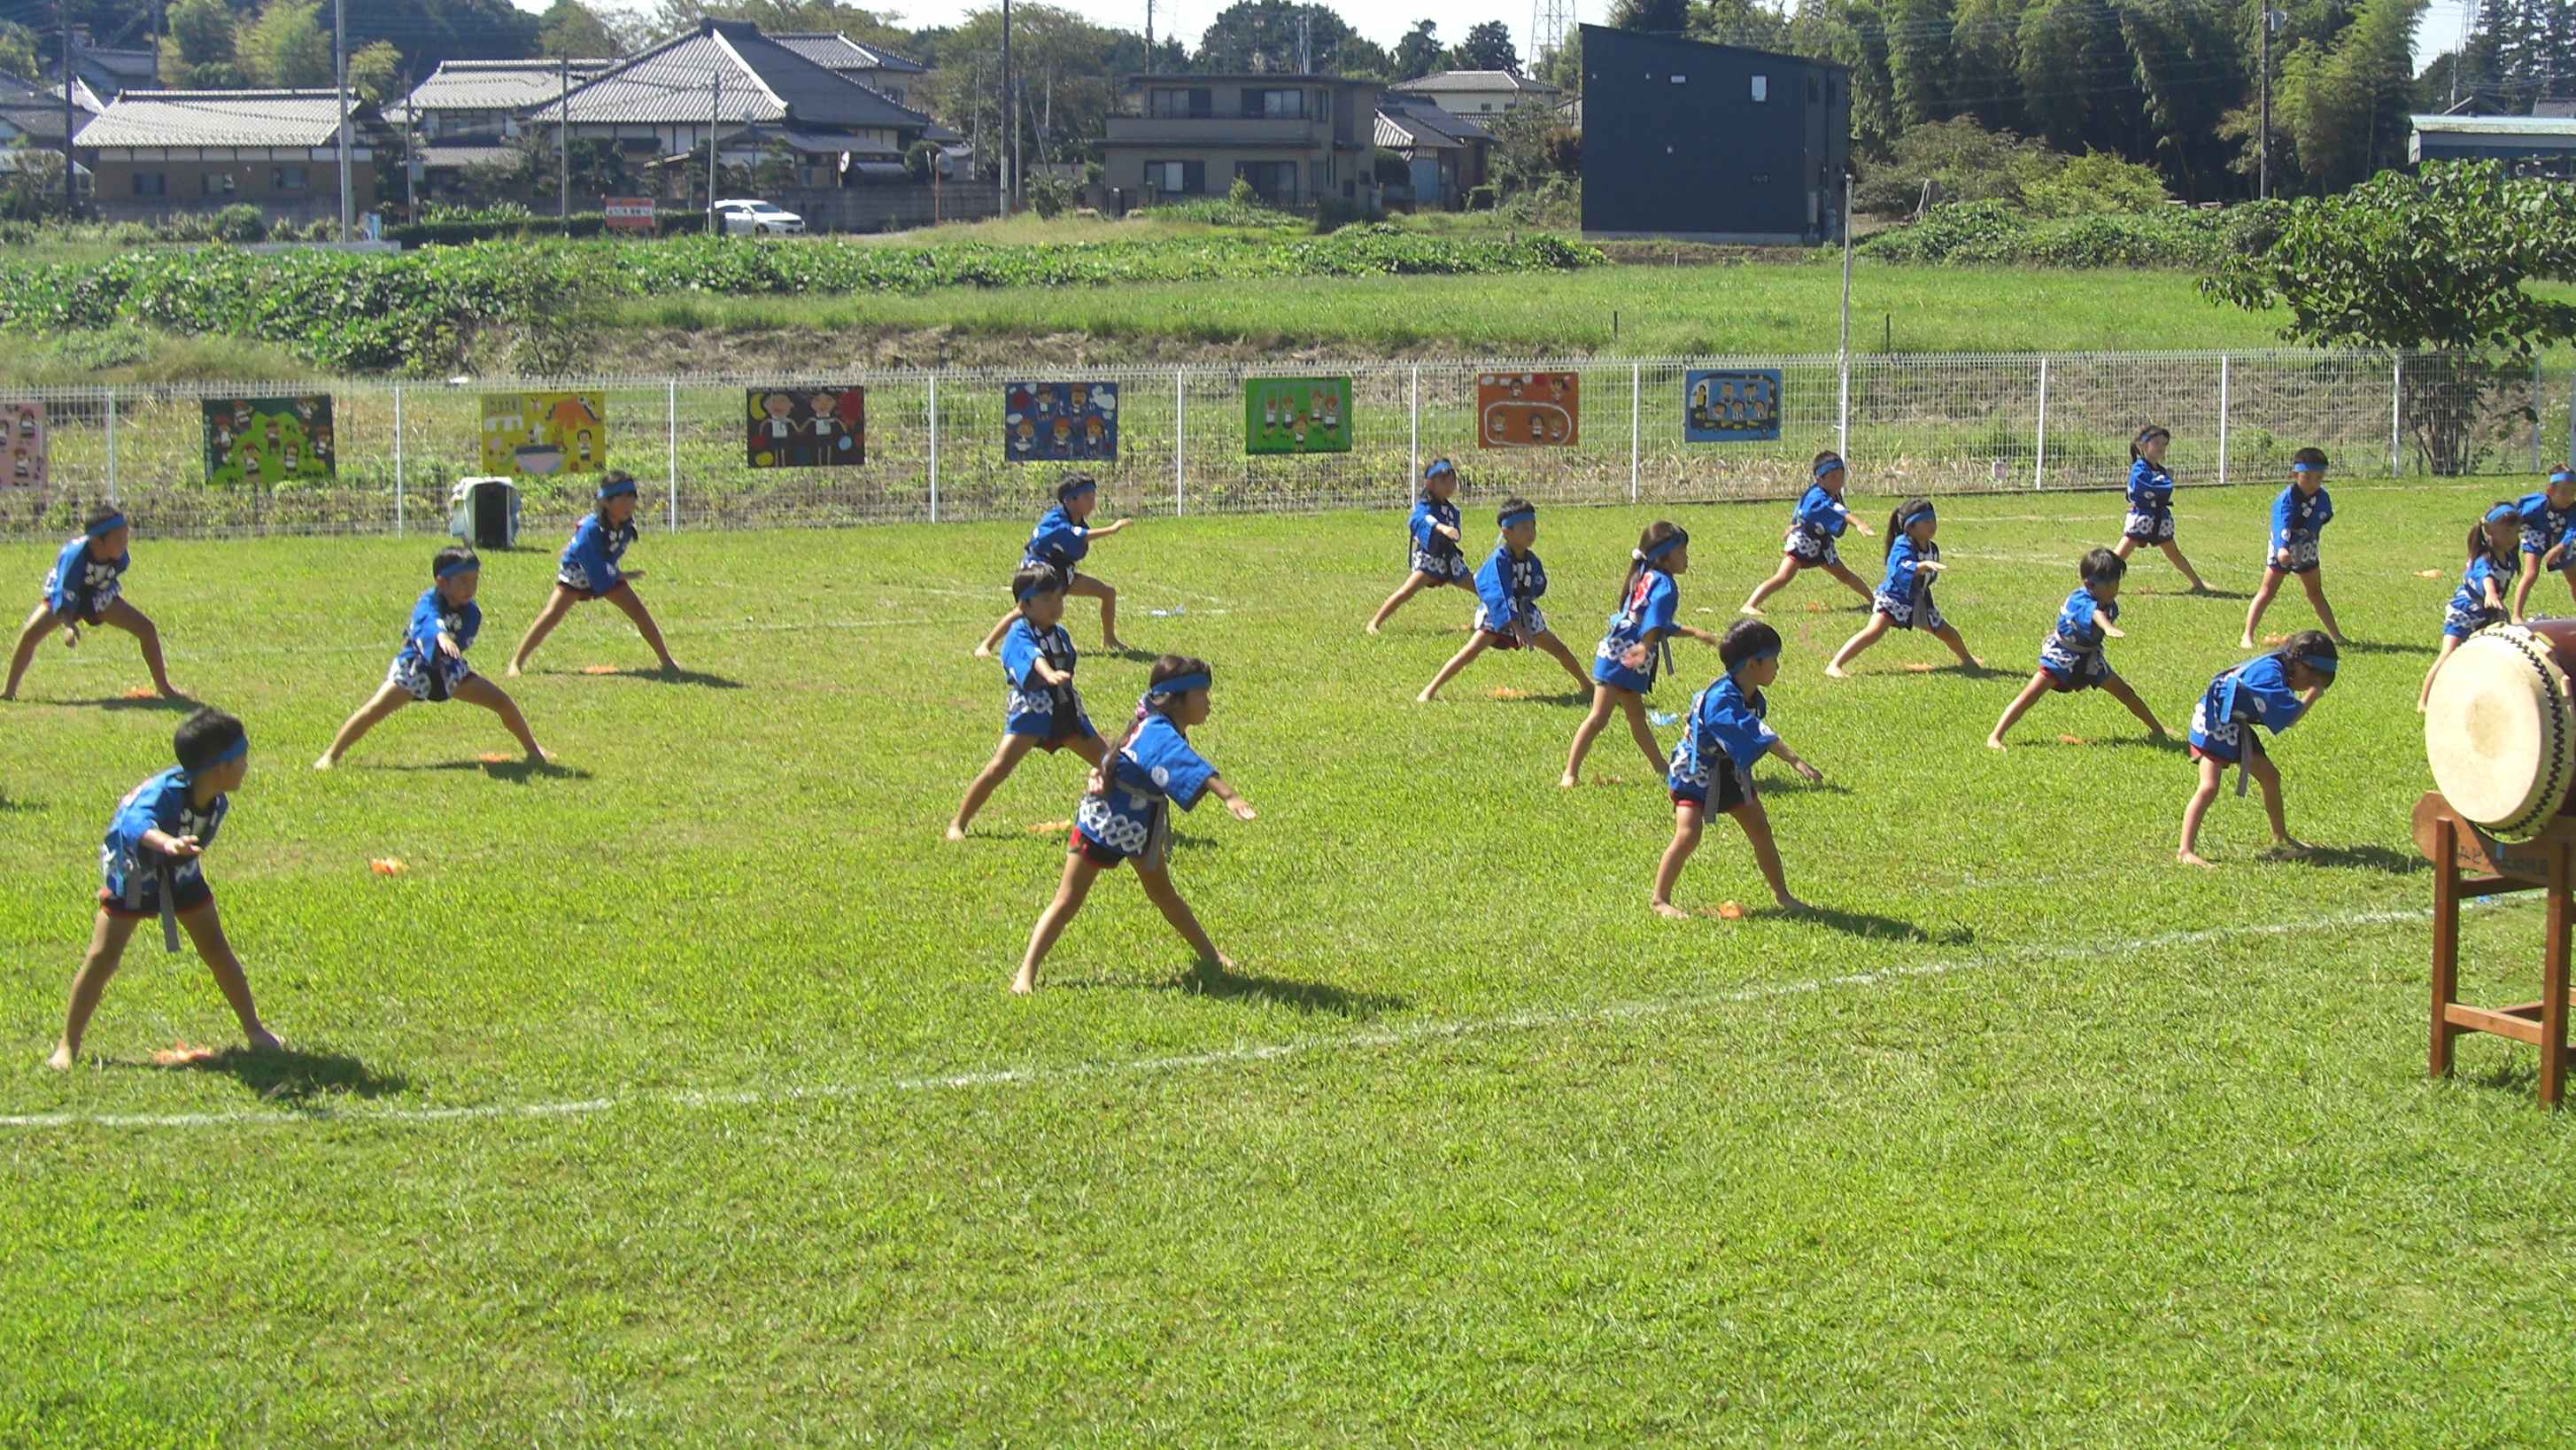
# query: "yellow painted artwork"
539,435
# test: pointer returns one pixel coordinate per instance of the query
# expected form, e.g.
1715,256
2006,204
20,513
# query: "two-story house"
1296,139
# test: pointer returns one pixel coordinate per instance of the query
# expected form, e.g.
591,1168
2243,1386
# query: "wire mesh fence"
940,445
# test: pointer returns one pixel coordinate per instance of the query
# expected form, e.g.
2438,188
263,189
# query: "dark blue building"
1711,143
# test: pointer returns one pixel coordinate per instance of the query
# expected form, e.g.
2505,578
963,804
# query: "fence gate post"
671,440
1414,408
2222,419
2039,453
1636,390
2396,412
111,447
1180,436
398,462
934,448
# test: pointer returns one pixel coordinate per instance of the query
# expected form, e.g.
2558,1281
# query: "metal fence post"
398,462
1842,405
934,448
2039,454
111,447
2571,414
2535,415
2223,379
1180,436
2396,412
671,439
1414,407
1636,391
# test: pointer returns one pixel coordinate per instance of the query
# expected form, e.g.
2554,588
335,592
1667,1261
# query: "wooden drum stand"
2468,861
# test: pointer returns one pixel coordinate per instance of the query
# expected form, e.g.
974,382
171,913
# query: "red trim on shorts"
1091,851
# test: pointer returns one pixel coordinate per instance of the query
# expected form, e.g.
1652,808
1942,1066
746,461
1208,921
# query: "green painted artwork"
264,442
1296,415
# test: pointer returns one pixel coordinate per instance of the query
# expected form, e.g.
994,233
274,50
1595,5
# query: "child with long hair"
2151,487
2071,657
1904,597
2273,691
1126,814
2299,515
85,587
430,665
1819,519
2480,599
1508,587
1637,645
1433,528
1041,710
1062,537
1712,765
589,569
2548,535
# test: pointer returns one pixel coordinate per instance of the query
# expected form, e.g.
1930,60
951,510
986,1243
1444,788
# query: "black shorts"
1725,793
1092,851
185,896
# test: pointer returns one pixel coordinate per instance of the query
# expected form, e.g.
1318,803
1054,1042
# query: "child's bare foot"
1567,781
1428,698
2339,639
62,1059
2286,849
263,1040
325,762
1790,903
2246,643
1114,646
1971,662
1835,672
1024,983
1667,909
1995,742
512,672
2194,858
537,756
1372,626
956,832
173,692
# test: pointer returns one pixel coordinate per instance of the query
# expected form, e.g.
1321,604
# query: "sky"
1386,21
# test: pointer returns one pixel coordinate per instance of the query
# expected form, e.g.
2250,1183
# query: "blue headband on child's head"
2502,512
232,752
106,526
2307,468
1754,658
1505,521
1075,488
1829,465
1047,584
454,567
1916,517
1661,547
1178,685
2560,475
2322,664
615,488
1436,467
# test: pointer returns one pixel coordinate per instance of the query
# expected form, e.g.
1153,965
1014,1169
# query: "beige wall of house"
1298,140
296,185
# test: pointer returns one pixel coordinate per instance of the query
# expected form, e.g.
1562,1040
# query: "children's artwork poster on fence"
1060,422
806,427
1296,415
1738,406
1528,410
22,445
539,435
263,442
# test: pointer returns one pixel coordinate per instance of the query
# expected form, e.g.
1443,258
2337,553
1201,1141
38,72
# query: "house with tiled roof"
155,153
1446,153
897,78
1479,92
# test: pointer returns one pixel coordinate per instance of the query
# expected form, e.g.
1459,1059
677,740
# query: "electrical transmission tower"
1551,25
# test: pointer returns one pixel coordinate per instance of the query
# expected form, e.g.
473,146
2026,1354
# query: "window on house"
215,183
151,183
1272,181
1274,105
1323,105
289,178
1196,103
1761,88
1177,178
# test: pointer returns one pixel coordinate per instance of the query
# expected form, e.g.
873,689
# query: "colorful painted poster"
539,435
806,427
22,445
627,213
1737,406
1296,415
1528,410
1060,422
263,442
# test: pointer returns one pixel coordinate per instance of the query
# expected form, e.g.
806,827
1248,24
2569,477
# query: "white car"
744,218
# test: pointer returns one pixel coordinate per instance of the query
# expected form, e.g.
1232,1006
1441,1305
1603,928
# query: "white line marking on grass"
1418,1033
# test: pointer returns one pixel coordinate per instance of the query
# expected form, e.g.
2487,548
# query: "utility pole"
1010,121
71,196
715,117
2460,52
340,49
563,141
1149,37
2269,19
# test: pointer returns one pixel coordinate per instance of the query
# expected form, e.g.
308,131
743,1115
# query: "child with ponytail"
1625,664
2480,599
589,569
2151,487
1433,529
1820,519
1904,598
2274,691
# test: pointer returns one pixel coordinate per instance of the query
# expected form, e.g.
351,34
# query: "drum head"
2498,732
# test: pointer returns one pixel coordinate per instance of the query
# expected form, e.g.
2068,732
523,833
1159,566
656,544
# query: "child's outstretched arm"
2102,622
1105,530
1048,674
1780,748
164,843
1242,808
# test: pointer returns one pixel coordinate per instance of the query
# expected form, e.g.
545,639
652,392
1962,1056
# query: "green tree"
1488,46
1919,61
1751,23
1271,35
287,45
2078,89
375,72
2341,105
575,31
1418,53
17,49
1985,67
868,27
1070,72
1652,16
198,51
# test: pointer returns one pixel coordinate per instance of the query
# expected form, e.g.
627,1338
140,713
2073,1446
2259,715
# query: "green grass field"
675,1097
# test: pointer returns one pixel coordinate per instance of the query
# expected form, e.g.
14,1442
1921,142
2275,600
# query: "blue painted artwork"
1731,405
1060,422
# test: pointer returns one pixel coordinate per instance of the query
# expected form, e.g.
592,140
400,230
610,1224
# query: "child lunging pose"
431,663
152,864
1508,586
1904,598
2548,535
83,589
2071,658
2299,515
1040,709
1712,766
1126,815
2151,488
1437,559
1063,535
2479,601
1820,519
1626,662
588,570
2273,691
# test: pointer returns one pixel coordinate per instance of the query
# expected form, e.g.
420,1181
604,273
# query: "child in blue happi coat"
2548,534
2480,599
1904,598
1126,814
431,666
2273,692
2151,487
1062,537
2299,514
152,864
85,588
2071,657
1041,710
590,569
1637,645
1509,585
1436,556
1712,766
1820,518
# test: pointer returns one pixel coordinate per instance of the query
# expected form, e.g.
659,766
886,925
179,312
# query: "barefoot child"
2274,691
2548,535
1723,737
2071,658
1904,598
2151,519
1063,535
1126,815
431,663
1437,559
1820,519
83,589
589,570
153,865
1041,709
1638,644
2479,601
1508,587
2299,516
